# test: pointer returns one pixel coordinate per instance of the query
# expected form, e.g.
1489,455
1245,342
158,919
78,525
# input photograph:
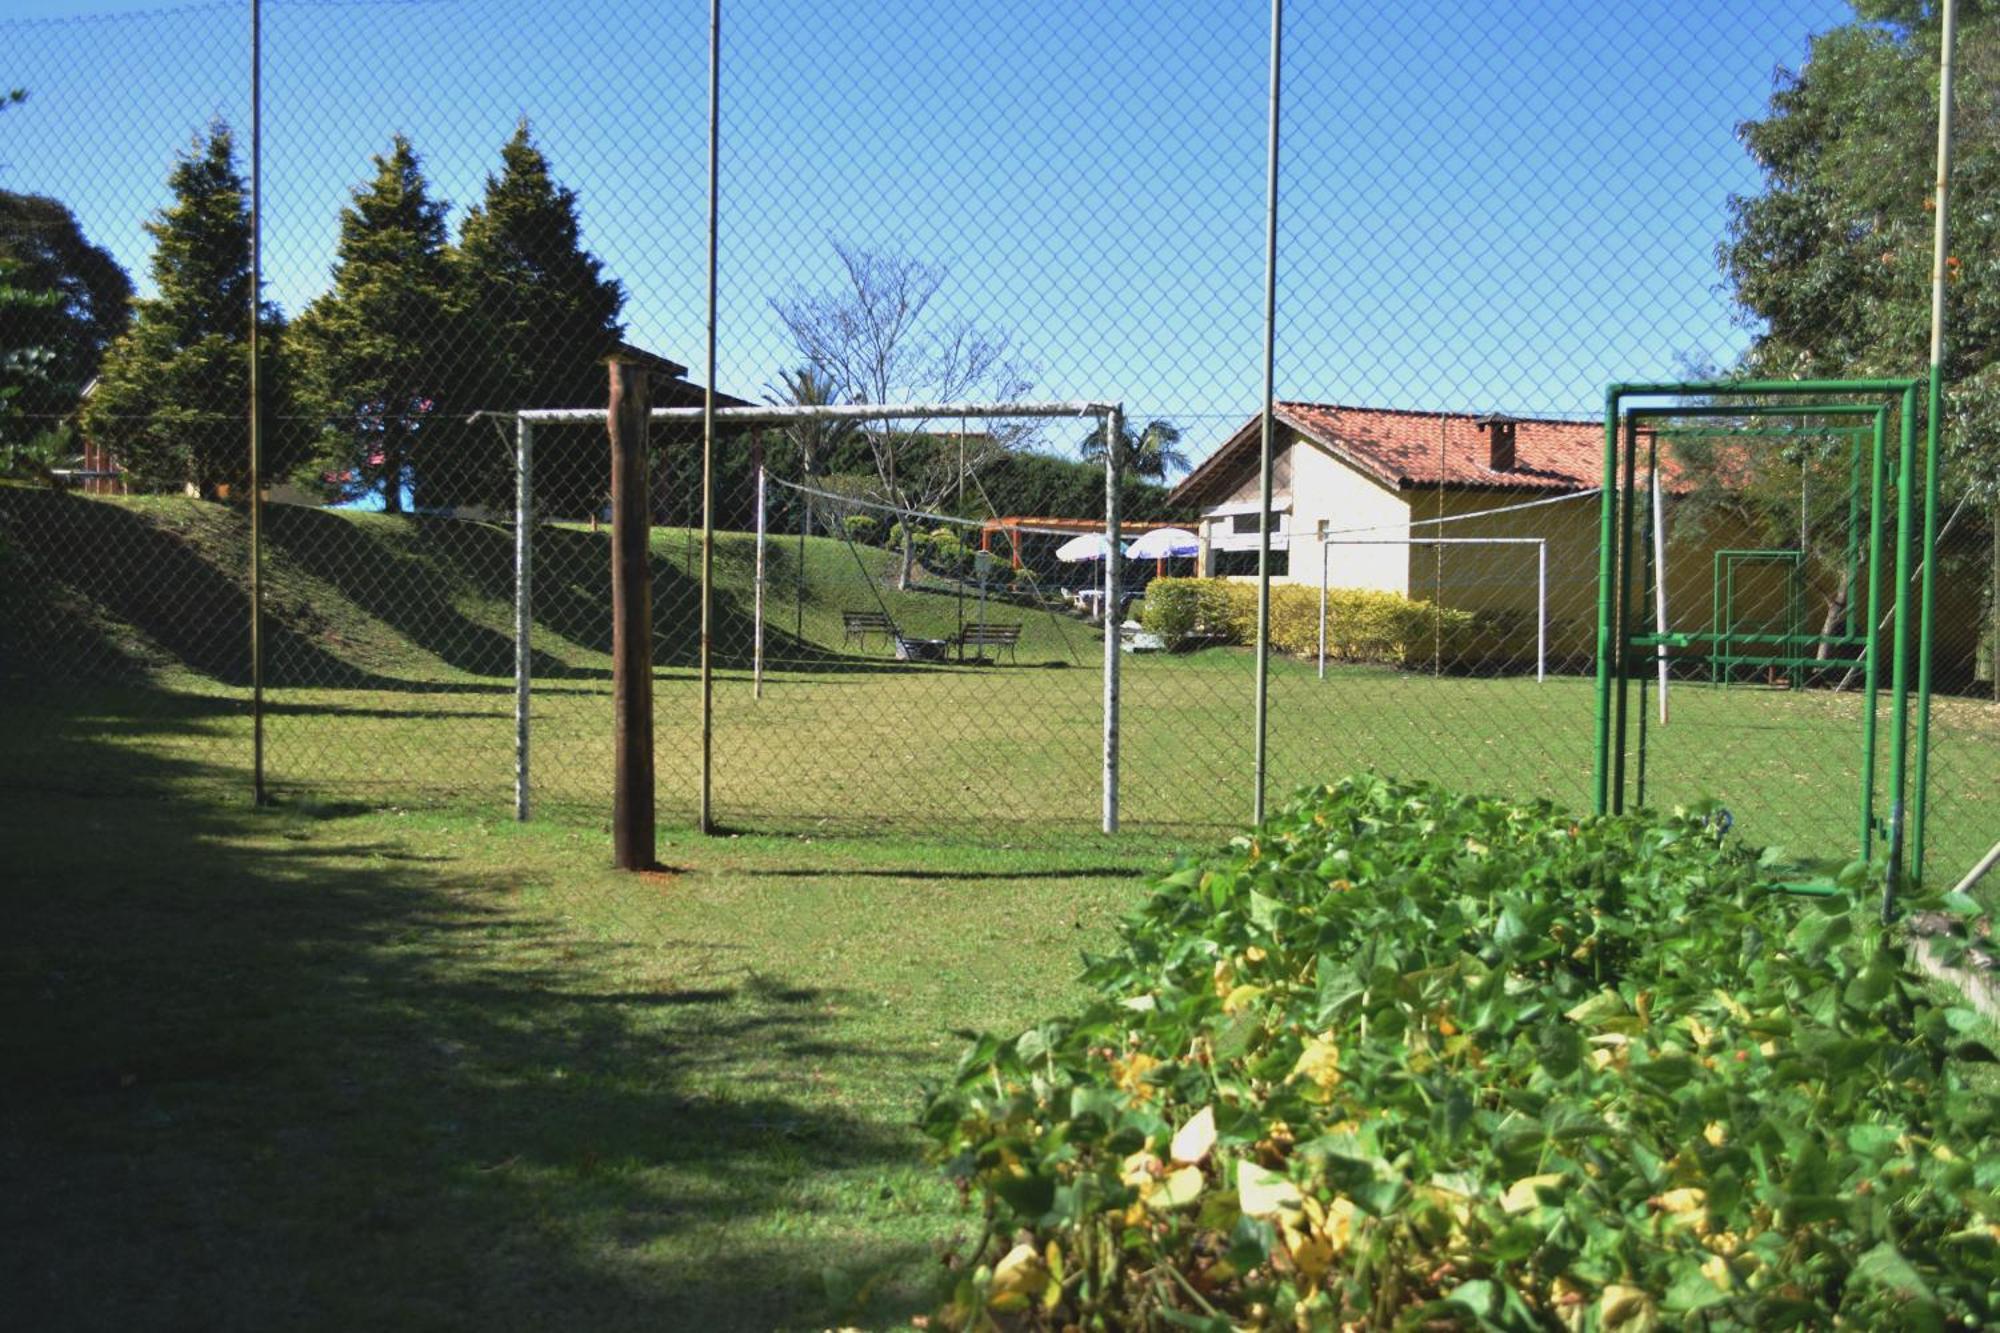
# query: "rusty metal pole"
632,841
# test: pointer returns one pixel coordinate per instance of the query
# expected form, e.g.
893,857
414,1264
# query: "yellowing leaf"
1139,1168
1628,1308
1240,999
1195,1138
1681,1201
1130,1073
1521,1195
1319,1065
1716,1133
1171,1191
1261,1193
1018,1278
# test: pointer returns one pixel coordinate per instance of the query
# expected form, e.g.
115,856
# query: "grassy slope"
390,652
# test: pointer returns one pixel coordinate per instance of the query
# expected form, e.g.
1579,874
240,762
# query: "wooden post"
632,834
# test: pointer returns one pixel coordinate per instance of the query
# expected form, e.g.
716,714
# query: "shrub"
1401,1058
1184,610
861,528
1361,625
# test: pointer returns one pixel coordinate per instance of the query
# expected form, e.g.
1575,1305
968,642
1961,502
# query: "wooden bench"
987,636
856,626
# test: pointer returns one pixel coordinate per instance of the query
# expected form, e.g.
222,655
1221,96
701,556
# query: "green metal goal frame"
1618,648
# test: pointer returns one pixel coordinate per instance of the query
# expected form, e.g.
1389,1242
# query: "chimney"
1499,428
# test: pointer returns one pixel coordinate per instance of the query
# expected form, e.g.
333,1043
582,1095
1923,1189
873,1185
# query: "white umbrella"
1089,546
1165,544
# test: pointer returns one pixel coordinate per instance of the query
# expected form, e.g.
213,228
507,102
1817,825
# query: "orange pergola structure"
1016,524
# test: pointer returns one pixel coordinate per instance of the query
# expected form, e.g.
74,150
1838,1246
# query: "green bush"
861,528
1184,610
1361,626
1406,1059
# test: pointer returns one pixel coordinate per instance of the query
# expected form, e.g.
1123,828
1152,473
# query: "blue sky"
1484,206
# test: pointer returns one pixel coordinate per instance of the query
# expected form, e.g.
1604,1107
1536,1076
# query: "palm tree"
1152,454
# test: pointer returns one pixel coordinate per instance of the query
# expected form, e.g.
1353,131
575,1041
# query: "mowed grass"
390,657
322,1066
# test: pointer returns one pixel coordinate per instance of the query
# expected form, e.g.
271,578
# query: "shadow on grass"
274,1068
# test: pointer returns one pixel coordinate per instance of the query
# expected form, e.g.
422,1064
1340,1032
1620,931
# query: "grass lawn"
329,1067
380,1056
390,656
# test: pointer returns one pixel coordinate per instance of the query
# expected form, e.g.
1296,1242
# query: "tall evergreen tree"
539,302
537,316
172,396
374,353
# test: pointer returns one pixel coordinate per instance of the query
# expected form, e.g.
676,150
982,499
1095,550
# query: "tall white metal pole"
1323,549
707,805
524,604
1261,702
1114,438
757,615
1660,587
1541,610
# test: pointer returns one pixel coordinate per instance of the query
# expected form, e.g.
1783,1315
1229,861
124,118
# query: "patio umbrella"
1089,546
1165,544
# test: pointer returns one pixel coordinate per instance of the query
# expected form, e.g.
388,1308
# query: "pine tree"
542,307
538,316
172,396
374,353
50,347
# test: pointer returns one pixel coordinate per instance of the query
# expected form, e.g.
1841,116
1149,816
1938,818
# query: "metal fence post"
631,623
524,555
1114,440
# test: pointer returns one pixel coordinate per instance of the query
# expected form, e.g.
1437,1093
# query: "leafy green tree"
84,301
1831,261
373,352
1151,454
173,391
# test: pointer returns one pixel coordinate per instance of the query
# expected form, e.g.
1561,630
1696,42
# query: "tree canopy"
173,389
375,352
1831,262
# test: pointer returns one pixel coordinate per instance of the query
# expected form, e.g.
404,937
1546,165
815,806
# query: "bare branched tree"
873,338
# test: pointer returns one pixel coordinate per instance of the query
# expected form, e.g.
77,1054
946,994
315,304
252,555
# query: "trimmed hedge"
1406,1059
1361,625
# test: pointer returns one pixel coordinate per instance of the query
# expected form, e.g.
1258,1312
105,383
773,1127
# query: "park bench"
982,637
856,626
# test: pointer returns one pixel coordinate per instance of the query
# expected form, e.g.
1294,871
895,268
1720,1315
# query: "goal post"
1541,545
1109,413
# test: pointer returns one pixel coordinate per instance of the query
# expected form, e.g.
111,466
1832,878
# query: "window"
1245,562
1246,524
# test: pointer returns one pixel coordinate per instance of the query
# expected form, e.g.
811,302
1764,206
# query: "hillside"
100,587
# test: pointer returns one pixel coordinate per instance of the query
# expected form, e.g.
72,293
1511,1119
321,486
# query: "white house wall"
1315,492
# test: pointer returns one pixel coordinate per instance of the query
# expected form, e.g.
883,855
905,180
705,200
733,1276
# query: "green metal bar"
1623,681
1607,512
1719,433
1612,667
1853,529
1777,388
1689,638
1872,655
1899,664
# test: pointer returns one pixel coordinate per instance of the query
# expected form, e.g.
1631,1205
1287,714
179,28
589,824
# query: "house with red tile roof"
1374,479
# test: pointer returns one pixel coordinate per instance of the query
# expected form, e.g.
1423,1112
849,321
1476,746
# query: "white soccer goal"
1111,414
1541,545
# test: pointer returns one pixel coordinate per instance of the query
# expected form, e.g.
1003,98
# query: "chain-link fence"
1485,217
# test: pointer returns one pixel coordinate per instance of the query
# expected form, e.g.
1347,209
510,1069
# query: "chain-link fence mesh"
1486,216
